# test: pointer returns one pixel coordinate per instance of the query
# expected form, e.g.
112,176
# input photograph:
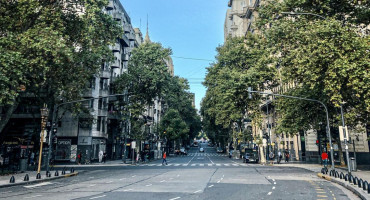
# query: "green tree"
50,50
172,126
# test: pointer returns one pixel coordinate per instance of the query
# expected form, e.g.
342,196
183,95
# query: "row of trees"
50,50
325,59
148,80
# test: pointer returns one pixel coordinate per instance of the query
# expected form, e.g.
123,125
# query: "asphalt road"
205,175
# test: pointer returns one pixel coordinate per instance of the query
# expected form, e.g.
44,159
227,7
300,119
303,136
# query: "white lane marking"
162,181
192,165
159,165
169,164
269,193
274,183
201,165
151,164
222,178
6,192
175,198
133,176
197,191
127,190
178,175
98,197
92,185
191,159
218,181
235,164
109,182
273,188
185,165
122,179
218,164
227,165
38,185
149,185
39,195
210,186
176,164
210,160
210,164
273,180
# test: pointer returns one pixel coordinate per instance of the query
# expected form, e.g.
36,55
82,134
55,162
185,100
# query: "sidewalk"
19,177
106,164
362,173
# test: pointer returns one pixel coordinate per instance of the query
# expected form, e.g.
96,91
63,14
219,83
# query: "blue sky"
191,28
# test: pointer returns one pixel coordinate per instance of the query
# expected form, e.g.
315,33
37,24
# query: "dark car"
250,157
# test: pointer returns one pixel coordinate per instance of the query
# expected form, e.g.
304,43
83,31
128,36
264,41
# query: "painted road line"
201,165
39,195
269,193
322,196
175,198
273,180
169,164
92,185
151,164
227,165
37,185
192,165
149,185
210,186
159,165
6,192
162,181
133,176
127,190
98,197
274,183
109,182
176,164
218,164
273,188
235,164
218,181
197,191
185,165
191,159
210,164
178,175
122,179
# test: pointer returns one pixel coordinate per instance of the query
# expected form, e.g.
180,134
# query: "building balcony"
117,16
110,5
116,47
125,57
105,74
125,41
102,112
127,28
131,36
103,92
115,64
88,92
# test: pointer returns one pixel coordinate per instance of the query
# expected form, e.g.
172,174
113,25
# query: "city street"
205,175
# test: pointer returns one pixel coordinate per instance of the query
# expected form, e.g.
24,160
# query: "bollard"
63,172
350,178
355,181
56,173
336,174
346,177
38,176
12,179
48,174
341,175
323,171
360,183
365,185
26,178
72,169
326,170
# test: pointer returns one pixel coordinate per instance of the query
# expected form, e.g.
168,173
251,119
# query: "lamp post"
306,99
345,138
44,116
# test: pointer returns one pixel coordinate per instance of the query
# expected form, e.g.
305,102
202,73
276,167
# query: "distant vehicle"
182,151
220,150
195,144
250,157
201,149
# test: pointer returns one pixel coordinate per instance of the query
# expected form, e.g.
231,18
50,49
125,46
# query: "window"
100,104
103,124
98,123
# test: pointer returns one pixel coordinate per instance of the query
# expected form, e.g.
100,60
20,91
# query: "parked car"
201,149
250,157
220,150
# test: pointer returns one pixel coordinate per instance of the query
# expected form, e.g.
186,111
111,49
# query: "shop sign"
84,140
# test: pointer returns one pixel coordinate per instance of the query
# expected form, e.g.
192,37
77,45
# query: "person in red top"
325,158
164,158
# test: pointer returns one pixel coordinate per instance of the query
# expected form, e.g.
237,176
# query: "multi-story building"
105,131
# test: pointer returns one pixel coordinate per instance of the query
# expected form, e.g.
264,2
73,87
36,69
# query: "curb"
347,186
38,181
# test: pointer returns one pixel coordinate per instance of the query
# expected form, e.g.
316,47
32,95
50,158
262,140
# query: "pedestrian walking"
164,158
79,158
100,156
272,156
286,155
104,157
279,157
325,159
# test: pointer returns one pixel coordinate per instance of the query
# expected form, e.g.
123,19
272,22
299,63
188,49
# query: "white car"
201,149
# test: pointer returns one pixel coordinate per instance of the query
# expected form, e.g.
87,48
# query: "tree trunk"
6,117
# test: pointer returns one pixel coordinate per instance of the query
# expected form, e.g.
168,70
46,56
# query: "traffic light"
317,142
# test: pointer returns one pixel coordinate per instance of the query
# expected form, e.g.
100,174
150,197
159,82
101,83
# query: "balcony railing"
115,64
125,57
88,92
105,74
117,16
110,5
125,41
102,112
116,47
103,92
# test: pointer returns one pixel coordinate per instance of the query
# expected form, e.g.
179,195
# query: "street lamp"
345,138
44,116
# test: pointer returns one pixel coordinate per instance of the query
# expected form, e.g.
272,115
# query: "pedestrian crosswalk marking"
201,165
192,164
198,165
206,154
